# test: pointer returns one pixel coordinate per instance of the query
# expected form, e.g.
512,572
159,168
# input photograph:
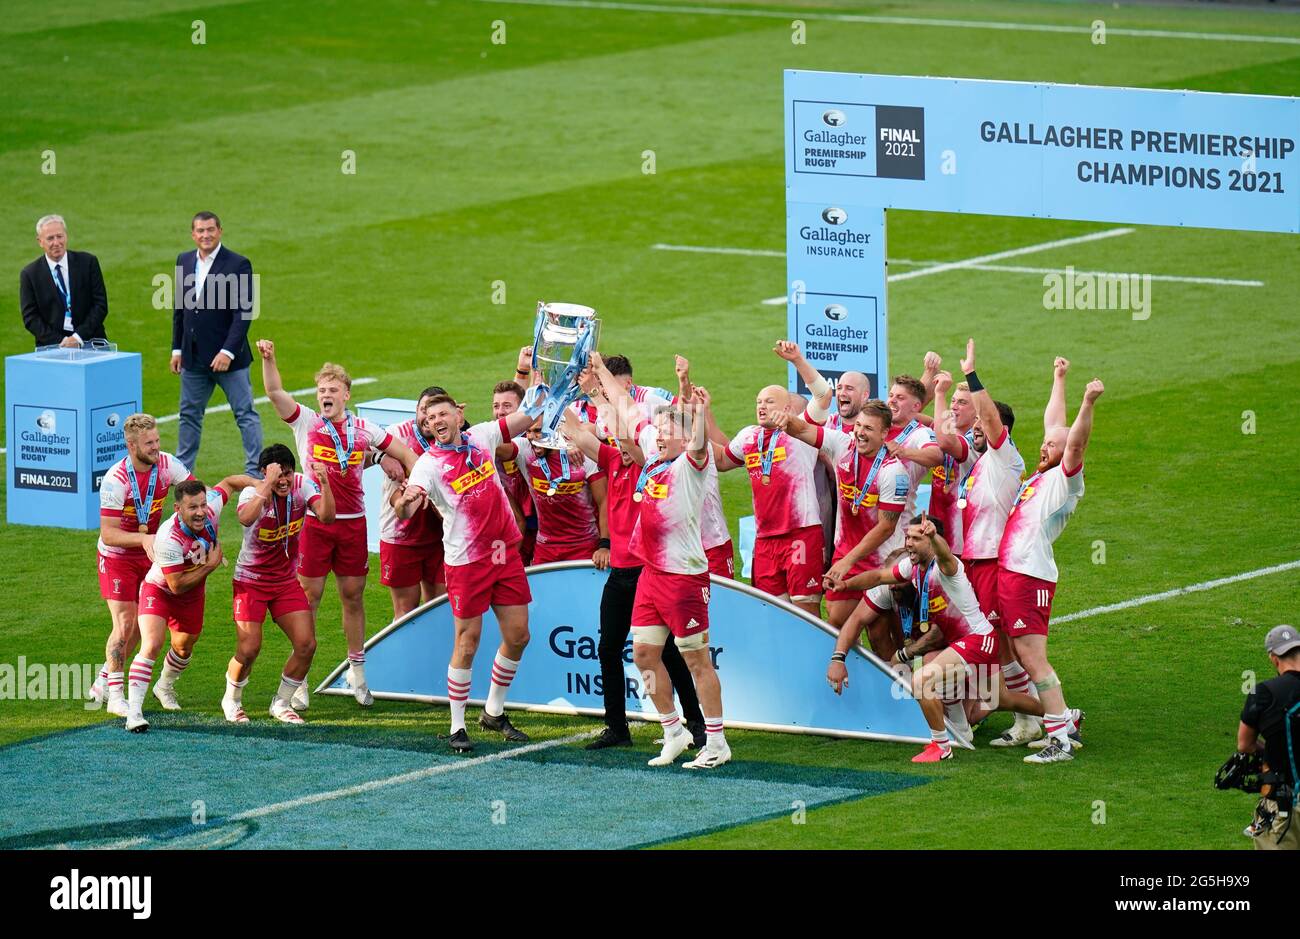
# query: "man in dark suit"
62,293
215,302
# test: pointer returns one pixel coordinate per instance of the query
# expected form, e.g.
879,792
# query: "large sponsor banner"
107,444
1044,150
771,659
46,453
835,259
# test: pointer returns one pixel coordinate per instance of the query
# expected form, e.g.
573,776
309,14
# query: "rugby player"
133,488
483,567
272,515
568,491
672,594
1027,573
872,489
340,441
410,550
186,551
948,620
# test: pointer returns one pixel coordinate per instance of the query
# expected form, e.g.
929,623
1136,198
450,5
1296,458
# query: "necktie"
67,298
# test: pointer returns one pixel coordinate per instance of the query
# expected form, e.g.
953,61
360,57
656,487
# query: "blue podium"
64,410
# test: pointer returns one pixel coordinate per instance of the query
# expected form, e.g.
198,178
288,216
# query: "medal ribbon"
344,456
283,522
205,543
769,452
871,476
545,462
1020,495
142,509
649,472
466,448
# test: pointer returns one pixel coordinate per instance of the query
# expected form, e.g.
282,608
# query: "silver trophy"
564,337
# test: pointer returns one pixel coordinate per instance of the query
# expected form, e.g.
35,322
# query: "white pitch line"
1163,278
996,256
1178,592
903,21
221,408
704,249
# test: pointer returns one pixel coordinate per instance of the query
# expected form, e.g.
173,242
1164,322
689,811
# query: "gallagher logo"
836,312
834,118
835,216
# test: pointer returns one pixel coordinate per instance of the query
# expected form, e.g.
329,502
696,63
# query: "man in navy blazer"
214,305
62,293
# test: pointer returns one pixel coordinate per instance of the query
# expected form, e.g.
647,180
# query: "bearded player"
186,551
133,488
479,536
672,594
1027,573
341,441
272,514
410,549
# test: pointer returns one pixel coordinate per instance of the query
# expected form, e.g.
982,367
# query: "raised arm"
697,448
886,524
248,512
324,507
797,428
580,435
942,553
524,367
945,427
1054,415
281,400
682,366
929,370
820,388
1077,442
986,410
873,578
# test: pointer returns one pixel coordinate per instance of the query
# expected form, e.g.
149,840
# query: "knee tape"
650,635
1048,683
692,643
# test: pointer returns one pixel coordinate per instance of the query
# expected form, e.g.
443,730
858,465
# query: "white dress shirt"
62,265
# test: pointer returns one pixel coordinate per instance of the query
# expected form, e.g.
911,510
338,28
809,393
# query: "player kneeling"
186,551
672,593
272,513
946,612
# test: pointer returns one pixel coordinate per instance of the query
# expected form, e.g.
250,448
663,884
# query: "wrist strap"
602,543
973,382
839,656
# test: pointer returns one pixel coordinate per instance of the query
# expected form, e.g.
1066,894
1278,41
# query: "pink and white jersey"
789,501
667,533
269,554
567,518
463,485
953,607
1045,503
888,492
832,422
990,492
315,444
422,528
713,520
918,438
945,486
175,551
117,500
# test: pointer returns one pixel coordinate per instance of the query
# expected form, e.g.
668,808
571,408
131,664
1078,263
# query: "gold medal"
551,491
767,480
637,496
924,627
855,510
961,503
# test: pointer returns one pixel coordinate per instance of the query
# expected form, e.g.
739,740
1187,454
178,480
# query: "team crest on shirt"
755,460
469,480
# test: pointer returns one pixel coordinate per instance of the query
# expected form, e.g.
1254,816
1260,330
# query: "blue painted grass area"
99,787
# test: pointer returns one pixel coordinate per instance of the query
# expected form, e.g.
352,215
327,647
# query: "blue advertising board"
771,658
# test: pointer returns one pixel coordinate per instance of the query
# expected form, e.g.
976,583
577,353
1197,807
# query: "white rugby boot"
711,756
674,746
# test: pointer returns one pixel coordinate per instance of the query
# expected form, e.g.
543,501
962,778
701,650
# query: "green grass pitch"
521,164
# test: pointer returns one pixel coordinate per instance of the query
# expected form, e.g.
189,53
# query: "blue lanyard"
466,448
963,486
871,476
648,472
211,532
284,522
343,456
769,453
923,590
142,509
419,440
545,461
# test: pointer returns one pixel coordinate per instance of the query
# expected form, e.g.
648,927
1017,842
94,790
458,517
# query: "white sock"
101,680
173,665
503,673
141,675
284,694
235,691
357,662
672,724
1059,727
713,729
457,694
941,738
114,686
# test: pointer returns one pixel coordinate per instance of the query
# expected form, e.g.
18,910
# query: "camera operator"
1270,708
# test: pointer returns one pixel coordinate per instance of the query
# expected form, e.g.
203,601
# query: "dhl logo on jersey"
128,510
1024,496
656,490
561,489
473,478
938,604
510,467
755,460
850,492
325,453
280,532
939,475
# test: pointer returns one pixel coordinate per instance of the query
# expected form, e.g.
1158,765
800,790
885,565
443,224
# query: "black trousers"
615,626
